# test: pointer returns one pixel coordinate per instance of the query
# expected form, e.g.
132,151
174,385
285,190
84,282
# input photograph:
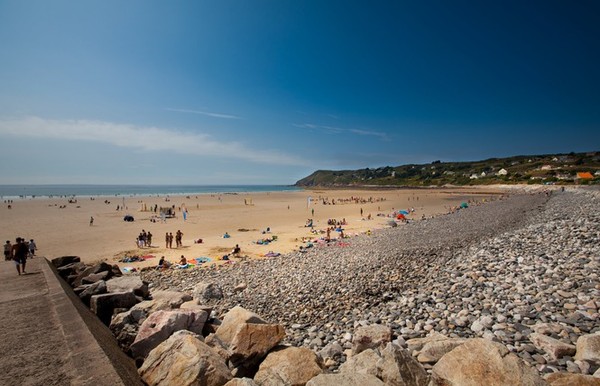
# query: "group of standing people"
169,239
19,252
144,239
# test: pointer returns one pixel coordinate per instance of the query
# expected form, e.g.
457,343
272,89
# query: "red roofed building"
585,176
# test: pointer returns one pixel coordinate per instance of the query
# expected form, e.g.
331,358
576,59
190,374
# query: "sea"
46,191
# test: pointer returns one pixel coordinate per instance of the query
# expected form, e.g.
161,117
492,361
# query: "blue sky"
266,92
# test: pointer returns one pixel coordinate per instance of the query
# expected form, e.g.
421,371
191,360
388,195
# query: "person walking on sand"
32,248
171,240
19,255
91,221
7,251
166,239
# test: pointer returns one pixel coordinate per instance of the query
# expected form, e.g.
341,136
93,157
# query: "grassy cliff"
536,169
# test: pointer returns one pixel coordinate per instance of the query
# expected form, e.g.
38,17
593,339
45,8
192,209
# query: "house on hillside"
474,176
546,167
584,176
597,173
502,172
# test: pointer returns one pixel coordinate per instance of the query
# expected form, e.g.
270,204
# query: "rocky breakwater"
502,271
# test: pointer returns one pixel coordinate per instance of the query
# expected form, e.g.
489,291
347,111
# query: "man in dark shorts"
19,255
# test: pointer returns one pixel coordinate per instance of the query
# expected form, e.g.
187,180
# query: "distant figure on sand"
7,250
91,221
236,251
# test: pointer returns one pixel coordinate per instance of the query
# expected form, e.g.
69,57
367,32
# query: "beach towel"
203,259
146,257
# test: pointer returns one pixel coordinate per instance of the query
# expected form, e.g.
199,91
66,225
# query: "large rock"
95,277
252,342
433,351
80,276
566,379
72,269
104,305
183,359
372,336
588,348
128,284
345,379
159,326
163,300
236,316
125,326
98,288
65,260
102,267
482,362
288,366
364,363
398,367
553,347
207,291
416,344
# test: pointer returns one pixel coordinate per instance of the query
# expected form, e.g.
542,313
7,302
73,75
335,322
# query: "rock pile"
521,272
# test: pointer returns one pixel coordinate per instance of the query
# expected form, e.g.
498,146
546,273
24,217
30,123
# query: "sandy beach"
63,228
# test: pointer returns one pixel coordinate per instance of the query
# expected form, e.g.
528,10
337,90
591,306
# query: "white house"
502,172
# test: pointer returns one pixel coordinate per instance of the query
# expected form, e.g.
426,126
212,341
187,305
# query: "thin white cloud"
338,130
142,138
214,115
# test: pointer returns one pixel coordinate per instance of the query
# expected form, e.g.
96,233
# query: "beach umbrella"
464,205
400,217
404,212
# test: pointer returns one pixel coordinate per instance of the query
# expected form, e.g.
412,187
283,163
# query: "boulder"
588,348
79,278
159,326
288,366
398,367
333,350
183,359
116,271
128,284
567,379
95,277
236,316
193,305
65,260
207,291
98,288
125,326
372,336
553,347
416,344
102,267
165,300
251,342
364,363
72,269
433,351
346,379
482,362
103,305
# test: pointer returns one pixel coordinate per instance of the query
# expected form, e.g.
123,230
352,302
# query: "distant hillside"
532,169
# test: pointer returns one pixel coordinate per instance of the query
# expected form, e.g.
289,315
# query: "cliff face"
553,168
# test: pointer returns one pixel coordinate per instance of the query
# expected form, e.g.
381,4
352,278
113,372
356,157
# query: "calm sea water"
14,191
